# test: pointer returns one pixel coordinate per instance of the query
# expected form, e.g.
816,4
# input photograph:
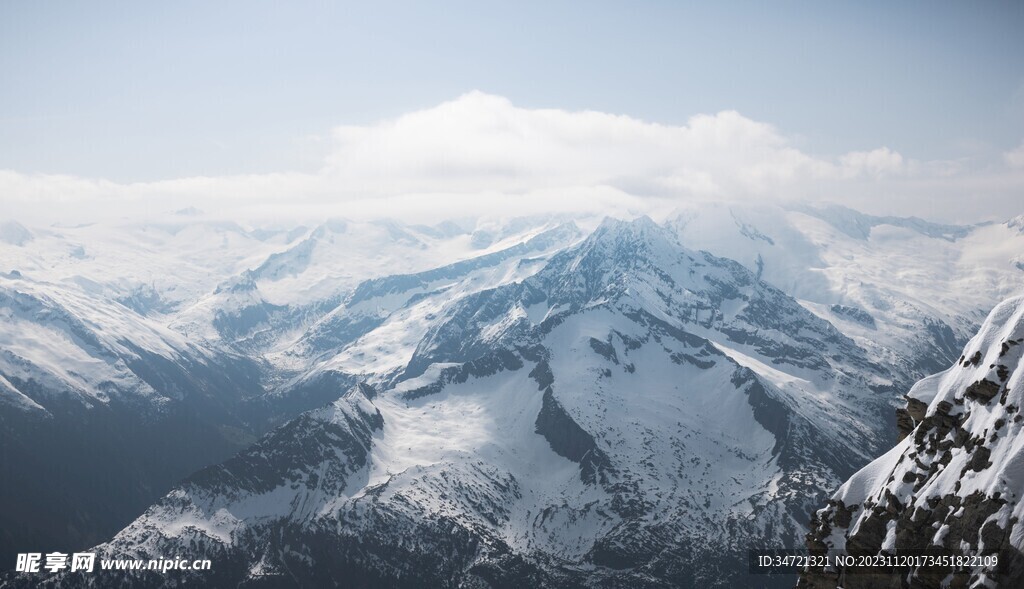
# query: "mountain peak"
329,227
636,235
615,249
640,224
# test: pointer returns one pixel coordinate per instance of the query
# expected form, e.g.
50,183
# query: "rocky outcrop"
908,417
953,483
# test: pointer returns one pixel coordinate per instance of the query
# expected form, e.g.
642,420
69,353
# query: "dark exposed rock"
543,375
908,417
916,408
681,358
1005,347
980,459
937,425
484,365
870,533
570,440
605,349
843,514
982,390
1003,372
771,414
853,313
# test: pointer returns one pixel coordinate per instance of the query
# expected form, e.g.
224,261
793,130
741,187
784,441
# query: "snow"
926,389
490,419
863,483
773,375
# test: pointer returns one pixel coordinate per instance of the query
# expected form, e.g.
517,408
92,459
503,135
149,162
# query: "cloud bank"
480,154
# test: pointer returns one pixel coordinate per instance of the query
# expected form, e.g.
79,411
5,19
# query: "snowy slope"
956,480
63,344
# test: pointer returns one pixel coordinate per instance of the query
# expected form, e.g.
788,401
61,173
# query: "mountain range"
550,401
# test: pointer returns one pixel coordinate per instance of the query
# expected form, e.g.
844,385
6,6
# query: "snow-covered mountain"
119,375
911,291
475,401
601,421
954,481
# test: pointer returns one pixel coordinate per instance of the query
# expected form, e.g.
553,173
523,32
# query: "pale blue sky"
145,90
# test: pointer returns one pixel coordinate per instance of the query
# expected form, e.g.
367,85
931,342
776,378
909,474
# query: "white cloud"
875,163
480,153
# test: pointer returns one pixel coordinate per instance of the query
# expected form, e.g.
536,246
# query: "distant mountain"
101,410
910,291
956,478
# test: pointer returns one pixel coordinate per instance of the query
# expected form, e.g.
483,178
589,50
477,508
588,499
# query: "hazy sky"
890,105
